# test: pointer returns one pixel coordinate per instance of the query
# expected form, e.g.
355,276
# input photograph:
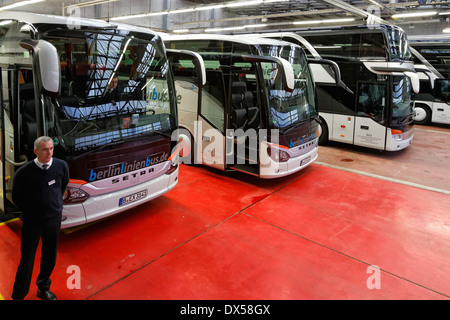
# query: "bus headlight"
173,159
278,155
74,195
397,135
172,168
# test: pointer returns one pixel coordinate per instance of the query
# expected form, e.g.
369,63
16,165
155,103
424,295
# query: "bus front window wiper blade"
162,134
294,126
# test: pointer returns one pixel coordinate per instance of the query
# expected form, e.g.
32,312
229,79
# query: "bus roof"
38,18
347,29
224,37
430,39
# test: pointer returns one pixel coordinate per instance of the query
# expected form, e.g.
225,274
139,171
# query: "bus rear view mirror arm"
410,73
337,72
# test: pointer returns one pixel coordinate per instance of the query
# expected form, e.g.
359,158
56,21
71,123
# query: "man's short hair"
37,142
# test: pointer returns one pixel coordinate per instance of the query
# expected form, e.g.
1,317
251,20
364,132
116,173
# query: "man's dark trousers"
32,230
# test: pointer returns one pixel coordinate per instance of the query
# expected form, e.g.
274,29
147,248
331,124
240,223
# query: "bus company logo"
126,167
300,141
159,96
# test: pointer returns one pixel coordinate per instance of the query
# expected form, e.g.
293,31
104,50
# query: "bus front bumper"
281,169
105,205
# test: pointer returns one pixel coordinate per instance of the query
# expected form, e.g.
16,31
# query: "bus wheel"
323,132
422,114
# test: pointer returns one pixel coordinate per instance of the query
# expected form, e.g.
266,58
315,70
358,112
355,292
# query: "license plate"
305,161
133,197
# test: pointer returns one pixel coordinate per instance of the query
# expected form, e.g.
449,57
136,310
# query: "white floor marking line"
411,184
434,131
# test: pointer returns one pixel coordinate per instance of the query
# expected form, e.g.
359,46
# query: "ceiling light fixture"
233,4
324,21
224,29
243,3
153,14
134,16
19,4
414,14
215,6
375,3
261,25
181,10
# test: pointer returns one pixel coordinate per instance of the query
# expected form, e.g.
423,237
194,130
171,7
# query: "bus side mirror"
46,66
415,82
287,71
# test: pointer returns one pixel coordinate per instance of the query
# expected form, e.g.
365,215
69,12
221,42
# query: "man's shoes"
46,295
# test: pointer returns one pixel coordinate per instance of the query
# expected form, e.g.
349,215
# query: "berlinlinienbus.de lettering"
126,167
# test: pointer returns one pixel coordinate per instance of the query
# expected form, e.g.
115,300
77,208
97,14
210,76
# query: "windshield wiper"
162,134
407,119
101,148
315,118
294,126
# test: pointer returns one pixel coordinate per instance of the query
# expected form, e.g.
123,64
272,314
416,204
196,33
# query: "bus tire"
422,114
323,132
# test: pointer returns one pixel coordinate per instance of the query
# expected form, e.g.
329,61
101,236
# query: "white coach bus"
55,74
254,111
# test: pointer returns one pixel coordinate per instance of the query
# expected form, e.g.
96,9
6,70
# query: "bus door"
14,91
248,110
371,114
2,144
441,107
200,100
19,119
200,107
244,117
211,120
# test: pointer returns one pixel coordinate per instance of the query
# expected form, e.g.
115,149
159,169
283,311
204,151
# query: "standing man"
38,190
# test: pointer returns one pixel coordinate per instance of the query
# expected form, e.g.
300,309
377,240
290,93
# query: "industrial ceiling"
272,14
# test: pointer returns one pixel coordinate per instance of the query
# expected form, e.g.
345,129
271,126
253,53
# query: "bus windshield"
398,44
369,45
289,108
114,88
403,105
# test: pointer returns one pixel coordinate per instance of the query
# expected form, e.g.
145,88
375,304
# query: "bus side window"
213,98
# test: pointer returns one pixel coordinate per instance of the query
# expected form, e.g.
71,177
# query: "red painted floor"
231,236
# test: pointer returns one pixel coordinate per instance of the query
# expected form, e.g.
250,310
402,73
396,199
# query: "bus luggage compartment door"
343,126
441,113
369,133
